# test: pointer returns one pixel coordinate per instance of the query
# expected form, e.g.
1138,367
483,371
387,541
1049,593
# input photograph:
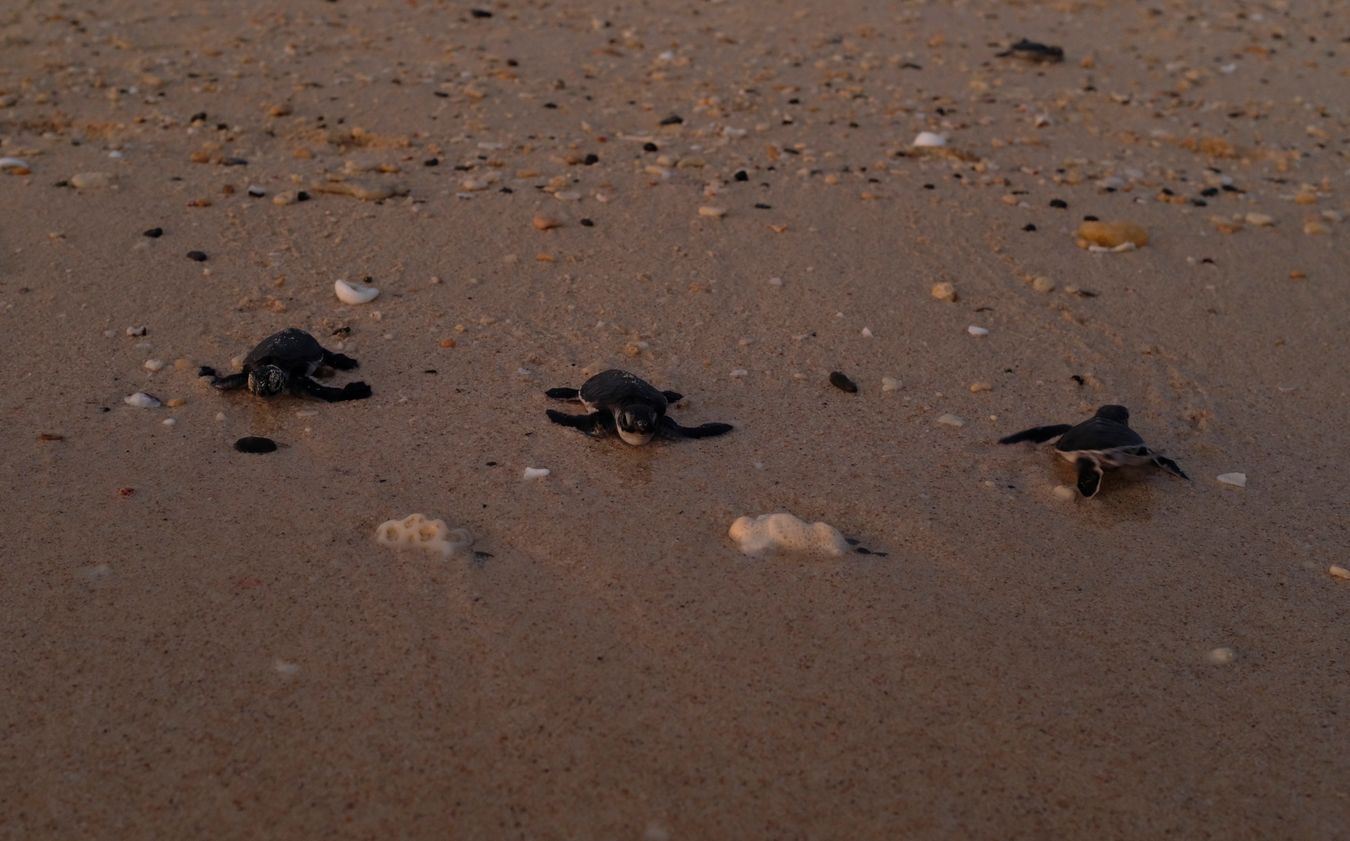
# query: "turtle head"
267,381
1119,414
637,423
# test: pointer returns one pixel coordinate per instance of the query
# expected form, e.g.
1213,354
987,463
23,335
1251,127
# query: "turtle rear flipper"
563,394
1089,477
351,391
1038,434
1170,466
339,361
592,424
672,397
672,430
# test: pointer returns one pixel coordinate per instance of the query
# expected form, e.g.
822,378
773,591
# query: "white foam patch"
783,532
415,531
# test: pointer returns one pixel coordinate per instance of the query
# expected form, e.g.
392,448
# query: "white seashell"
141,400
890,384
783,532
153,365
532,473
930,138
1237,480
977,331
20,166
349,294
950,420
417,532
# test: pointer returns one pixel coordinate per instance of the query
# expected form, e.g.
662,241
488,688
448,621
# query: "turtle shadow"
1127,493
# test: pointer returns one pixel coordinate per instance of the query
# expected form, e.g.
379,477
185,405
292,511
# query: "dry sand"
227,653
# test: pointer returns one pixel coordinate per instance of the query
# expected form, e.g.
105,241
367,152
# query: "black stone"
672,120
480,13
588,223
840,381
741,175
590,159
1060,203
155,233
255,444
432,162
199,256
1028,227
649,147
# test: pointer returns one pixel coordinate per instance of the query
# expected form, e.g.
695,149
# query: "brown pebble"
1113,234
50,436
544,223
944,291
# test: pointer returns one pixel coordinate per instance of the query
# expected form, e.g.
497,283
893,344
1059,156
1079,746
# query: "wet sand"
198,642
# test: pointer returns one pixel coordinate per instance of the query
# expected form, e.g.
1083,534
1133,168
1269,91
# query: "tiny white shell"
349,294
1238,480
141,400
975,330
535,473
930,138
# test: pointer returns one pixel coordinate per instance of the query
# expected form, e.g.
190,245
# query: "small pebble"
154,233
840,381
866,333
15,166
138,330
199,256
1338,571
1237,480
712,212
154,365
141,400
1042,284
890,384
944,292
950,420
1222,656
976,330
1112,234
1065,493
929,139
976,388
255,444
256,192
90,180
1260,220
545,223
532,473
1315,228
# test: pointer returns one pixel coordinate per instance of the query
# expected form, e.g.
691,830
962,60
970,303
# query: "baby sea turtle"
1032,51
623,402
1102,441
286,361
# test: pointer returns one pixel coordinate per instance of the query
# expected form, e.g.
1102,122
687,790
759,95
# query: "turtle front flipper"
672,430
563,394
1089,477
350,391
1038,434
339,361
592,424
672,397
1170,466
227,383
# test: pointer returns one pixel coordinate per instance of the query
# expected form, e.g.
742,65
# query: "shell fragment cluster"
416,531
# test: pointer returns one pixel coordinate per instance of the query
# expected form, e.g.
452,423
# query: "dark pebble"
1028,227
1091,219
155,233
649,147
588,223
302,196
441,94
257,192
672,120
199,256
591,159
480,13
762,206
432,162
1060,203
200,115
255,444
234,162
1199,202
843,383
741,175
1210,192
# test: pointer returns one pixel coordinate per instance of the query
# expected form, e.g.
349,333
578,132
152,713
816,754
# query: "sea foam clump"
415,531
783,532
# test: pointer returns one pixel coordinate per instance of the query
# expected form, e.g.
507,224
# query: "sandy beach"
725,199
